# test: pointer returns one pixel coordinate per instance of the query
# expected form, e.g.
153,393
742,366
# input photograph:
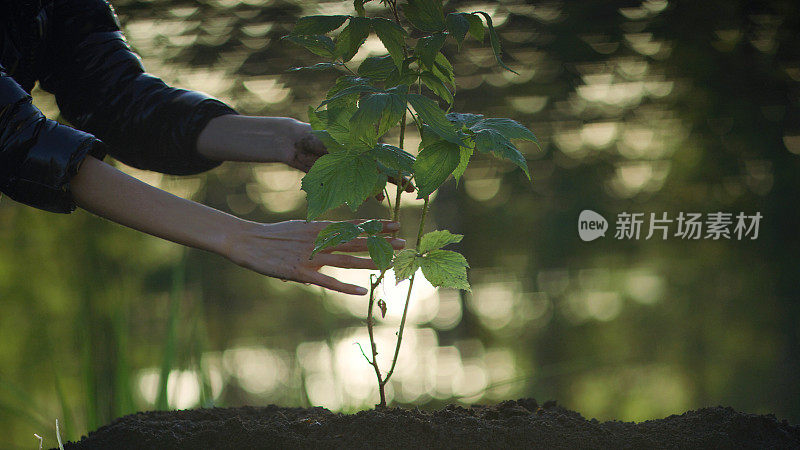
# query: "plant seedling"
381,94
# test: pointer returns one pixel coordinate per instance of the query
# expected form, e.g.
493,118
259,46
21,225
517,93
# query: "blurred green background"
640,107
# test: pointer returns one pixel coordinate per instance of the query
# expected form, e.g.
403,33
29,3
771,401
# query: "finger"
332,283
345,261
360,245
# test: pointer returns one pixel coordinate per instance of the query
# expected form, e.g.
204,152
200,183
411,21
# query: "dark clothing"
75,50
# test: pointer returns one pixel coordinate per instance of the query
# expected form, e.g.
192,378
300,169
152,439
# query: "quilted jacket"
75,50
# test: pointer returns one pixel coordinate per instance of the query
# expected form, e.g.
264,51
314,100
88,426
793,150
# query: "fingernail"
362,291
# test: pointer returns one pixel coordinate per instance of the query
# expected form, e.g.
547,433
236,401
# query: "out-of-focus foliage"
640,107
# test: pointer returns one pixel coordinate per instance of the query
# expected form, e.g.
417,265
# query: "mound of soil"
511,424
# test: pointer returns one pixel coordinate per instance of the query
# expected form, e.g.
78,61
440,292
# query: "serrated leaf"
337,178
383,109
433,165
380,184
435,84
312,25
444,70
464,119
425,15
380,251
392,36
434,117
350,91
372,226
438,239
488,140
404,76
377,67
495,41
317,66
507,127
463,161
445,268
427,48
350,39
476,29
331,144
405,264
319,45
457,26
395,159
335,234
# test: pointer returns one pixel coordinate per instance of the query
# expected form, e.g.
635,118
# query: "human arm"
101,87
38,156
279,250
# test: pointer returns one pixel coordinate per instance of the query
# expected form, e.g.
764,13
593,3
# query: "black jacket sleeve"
38,156
101,87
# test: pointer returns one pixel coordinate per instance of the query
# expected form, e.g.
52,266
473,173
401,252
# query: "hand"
307,149
282,250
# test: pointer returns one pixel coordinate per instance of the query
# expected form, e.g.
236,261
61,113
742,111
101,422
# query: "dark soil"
511,424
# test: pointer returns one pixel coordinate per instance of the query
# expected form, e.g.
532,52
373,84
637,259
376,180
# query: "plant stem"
400,184
408,301
370,328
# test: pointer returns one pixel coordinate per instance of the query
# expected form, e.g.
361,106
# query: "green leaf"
434,164
488,140
317,119
331,144
476,27
445,268
380,251
380,184
337,178
507,127
317,66
335,234
458,26
372,226
434,117
464,157
392,36
495,41
319,45
350,91
464,119
395,159
426,15
383,109
438,239
377,67
359,7
428,47
350,39
402,76
444,70
311,25
405,264
435,84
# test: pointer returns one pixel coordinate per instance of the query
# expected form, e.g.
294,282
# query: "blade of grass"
123,394
85,336
178,282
